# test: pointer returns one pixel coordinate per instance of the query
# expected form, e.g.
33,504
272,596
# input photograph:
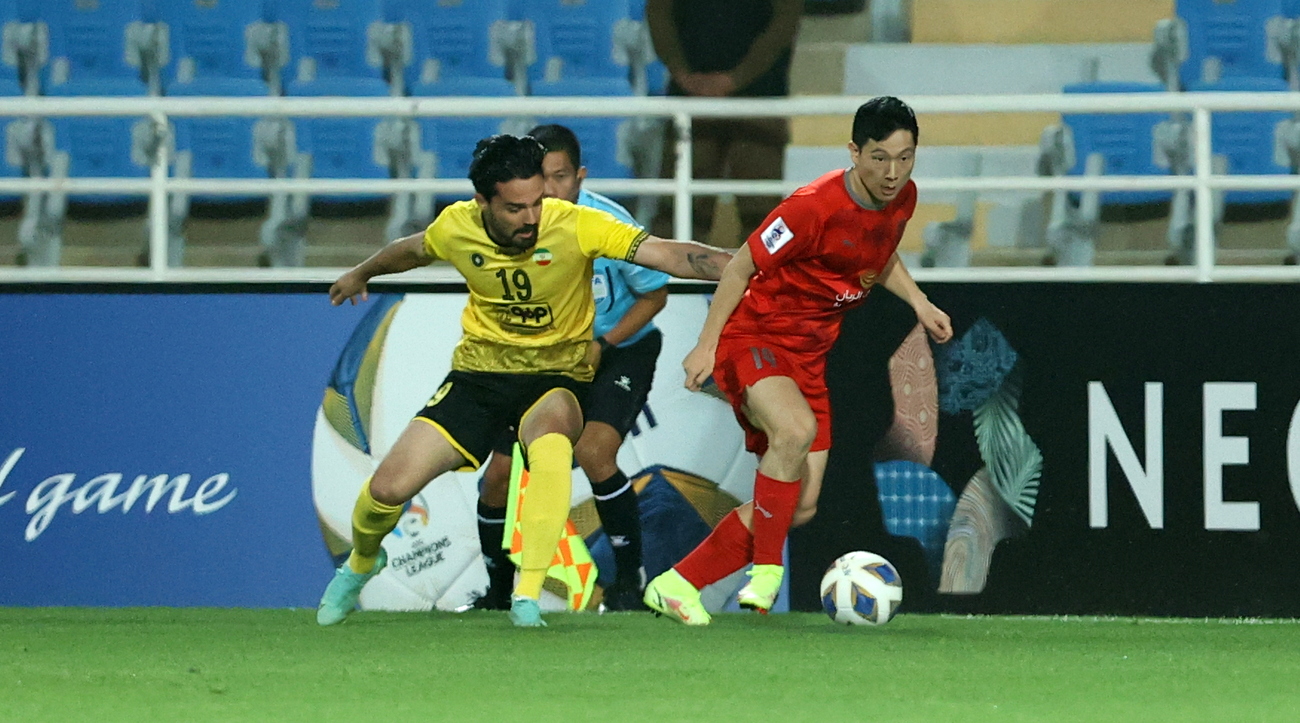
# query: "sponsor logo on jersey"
776,235
848,297
542,257
524,317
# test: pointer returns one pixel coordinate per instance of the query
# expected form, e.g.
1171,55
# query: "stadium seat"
1245,141
604,141
1124,140
579,39
9,87
210,41
452,140
649,74
1230,39
220,147
100,49
26,42
105,42
335,39
340,147
103,147
462,48
19,10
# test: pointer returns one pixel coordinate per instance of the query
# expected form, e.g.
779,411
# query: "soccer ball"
861,588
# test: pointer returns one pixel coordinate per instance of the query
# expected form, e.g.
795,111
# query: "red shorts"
741,362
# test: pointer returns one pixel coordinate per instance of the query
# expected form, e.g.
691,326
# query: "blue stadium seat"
20,10
452,140
88,45
656,78
1123,139
1233,35
329,39
575,39
1291,8
88,56
452,45
99,147
220,147
9,87
341,147
599,137
208,41
656,72
1246,139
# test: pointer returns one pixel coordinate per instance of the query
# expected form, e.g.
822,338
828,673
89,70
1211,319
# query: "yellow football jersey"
531,313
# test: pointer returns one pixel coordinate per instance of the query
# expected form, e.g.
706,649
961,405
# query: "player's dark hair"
555,137
878,118
502,158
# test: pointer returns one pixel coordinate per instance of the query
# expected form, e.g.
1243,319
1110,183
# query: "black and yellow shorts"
473,409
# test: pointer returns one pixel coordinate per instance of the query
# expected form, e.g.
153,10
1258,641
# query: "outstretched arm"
731,289
404,254
683,259
899,282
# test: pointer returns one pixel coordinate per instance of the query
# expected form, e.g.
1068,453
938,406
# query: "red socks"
727,549
774,504
731,545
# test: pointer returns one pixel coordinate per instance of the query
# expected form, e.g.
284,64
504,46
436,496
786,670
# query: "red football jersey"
817,254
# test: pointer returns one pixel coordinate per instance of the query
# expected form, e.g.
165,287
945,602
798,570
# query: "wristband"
604,344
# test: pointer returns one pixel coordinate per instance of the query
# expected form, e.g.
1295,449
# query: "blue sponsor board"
155,449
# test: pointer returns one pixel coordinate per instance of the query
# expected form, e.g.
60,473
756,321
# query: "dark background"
1066,335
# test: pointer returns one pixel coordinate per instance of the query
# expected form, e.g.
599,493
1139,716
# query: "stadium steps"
342,242
1036,21
817,66
9,247
218,242
104,241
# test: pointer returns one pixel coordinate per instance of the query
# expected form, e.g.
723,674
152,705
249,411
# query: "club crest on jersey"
867,279
542,257
776,235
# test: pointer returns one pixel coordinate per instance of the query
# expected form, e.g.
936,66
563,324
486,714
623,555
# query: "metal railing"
682,187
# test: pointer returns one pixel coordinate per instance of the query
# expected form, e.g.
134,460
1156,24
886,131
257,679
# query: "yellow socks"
371,520
545,508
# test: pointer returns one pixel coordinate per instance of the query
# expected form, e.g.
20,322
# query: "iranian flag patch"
542,257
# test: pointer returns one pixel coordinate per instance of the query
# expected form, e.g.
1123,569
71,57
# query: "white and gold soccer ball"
861,588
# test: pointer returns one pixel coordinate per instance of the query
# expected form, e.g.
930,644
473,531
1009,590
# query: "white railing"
681,187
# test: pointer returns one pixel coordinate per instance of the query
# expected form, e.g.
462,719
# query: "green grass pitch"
161,664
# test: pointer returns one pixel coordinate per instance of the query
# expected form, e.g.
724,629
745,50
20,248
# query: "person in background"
722,49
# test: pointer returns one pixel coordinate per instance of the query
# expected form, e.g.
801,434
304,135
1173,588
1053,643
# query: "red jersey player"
774,318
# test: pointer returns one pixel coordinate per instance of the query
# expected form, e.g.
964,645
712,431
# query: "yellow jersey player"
524,359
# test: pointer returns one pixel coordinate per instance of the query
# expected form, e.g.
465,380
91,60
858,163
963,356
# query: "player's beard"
511,241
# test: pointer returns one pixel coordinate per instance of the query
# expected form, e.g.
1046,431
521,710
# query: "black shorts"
474,409
619,391
622,383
